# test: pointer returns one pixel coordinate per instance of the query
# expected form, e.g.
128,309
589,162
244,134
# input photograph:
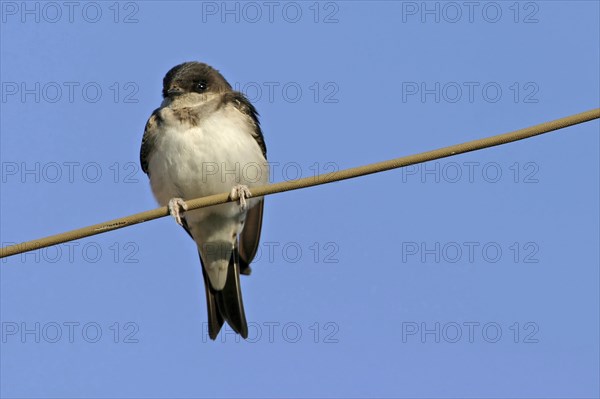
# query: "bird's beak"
174,91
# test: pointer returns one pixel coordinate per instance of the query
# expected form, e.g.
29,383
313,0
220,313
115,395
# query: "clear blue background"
363,60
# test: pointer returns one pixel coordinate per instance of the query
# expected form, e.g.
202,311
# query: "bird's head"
193,77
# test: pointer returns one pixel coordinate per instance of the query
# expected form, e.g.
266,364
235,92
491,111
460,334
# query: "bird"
204,139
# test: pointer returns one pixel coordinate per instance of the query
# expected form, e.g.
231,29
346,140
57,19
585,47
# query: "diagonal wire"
308,181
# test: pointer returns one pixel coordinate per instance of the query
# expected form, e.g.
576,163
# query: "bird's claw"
241,193
176,205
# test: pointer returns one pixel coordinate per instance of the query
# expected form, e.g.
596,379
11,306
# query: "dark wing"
250,236
149,139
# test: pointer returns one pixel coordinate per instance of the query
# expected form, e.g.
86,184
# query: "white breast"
211,158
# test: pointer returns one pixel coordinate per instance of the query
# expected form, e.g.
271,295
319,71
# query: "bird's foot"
241,193
176,205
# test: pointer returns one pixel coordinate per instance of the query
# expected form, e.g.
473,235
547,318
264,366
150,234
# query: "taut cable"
308,181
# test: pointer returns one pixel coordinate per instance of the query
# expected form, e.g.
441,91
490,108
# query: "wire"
307,181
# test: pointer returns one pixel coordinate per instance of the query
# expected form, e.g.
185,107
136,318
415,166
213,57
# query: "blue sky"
472,276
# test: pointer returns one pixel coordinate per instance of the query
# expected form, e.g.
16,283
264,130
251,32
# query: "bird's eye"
201,86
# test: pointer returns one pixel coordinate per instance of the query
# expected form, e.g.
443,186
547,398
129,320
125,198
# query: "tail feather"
226,304
215,320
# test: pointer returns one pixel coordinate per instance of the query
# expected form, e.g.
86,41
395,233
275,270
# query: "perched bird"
206,139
